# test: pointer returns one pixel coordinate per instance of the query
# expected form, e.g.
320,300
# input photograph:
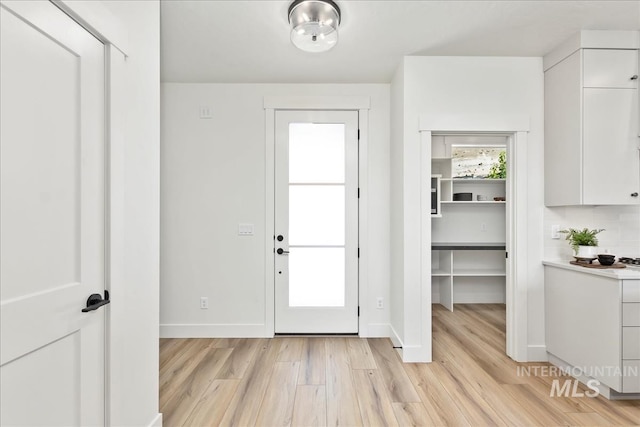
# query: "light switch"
555,231
245,229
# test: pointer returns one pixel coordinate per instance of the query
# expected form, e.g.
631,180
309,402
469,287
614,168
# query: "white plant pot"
587,252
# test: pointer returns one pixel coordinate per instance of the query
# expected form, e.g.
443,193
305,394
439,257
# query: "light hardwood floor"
362,382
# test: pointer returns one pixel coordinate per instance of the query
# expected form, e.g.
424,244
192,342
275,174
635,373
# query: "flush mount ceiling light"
314,24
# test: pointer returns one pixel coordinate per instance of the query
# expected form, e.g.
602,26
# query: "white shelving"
471,202
479,273
475,271
476,180
469,275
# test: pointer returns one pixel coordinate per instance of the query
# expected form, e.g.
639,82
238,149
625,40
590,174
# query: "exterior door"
316,222
52,221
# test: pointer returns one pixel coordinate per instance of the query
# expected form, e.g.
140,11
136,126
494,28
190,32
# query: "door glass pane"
316,277
316,215
316,153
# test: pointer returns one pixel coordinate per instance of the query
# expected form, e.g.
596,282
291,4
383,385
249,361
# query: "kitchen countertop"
613,273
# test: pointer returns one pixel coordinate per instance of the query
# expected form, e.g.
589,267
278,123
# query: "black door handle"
634,194
281,251
95,301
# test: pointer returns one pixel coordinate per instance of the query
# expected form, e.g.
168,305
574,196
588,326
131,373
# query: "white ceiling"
248,41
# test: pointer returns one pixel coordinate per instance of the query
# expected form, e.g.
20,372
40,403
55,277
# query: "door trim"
516,128
361,104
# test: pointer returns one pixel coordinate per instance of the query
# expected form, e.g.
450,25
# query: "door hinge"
358,134
358,192
358,252
506,254
358,311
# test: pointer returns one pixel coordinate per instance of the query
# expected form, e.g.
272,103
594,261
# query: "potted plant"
499,170
584,242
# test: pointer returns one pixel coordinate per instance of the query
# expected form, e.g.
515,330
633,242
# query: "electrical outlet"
483,226
379,303
204,303
205,112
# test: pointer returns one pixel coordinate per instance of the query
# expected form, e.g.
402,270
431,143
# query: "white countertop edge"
613,273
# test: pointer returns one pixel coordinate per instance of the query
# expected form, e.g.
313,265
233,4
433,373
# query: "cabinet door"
563,133
583,322
610,68
611,159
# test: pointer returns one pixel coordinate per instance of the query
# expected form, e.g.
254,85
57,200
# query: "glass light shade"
314,24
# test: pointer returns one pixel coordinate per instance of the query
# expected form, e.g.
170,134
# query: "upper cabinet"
592,148
610,68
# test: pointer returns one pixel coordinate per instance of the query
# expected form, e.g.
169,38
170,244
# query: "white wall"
471,85
397,220
621,224
134,311
212,177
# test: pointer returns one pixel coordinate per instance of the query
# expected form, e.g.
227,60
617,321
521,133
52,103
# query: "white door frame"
516,127
362,104
103,25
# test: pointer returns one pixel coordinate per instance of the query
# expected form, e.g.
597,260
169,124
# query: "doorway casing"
515,128
361,104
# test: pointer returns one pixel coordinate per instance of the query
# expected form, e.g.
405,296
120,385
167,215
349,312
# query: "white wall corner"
157,421
537,353
395,338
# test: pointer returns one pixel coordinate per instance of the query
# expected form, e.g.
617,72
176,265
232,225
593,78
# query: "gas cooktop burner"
630,261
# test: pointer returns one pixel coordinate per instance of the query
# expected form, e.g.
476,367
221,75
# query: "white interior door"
52,221
316,222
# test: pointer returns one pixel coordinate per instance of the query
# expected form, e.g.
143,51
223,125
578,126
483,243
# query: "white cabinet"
593,323
611,165
592,149
610,68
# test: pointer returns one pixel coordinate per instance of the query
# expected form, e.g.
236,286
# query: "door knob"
95,301
280,238
281,251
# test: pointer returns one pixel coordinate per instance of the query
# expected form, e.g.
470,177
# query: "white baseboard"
435,295
395,338
378,330
213,331
157,421
537,353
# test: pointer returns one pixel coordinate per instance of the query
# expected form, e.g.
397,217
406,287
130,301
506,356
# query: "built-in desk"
476,271
467,246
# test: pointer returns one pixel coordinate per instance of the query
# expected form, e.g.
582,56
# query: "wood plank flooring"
362,382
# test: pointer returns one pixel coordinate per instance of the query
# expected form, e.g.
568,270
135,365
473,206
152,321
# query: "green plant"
584,237
499,170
